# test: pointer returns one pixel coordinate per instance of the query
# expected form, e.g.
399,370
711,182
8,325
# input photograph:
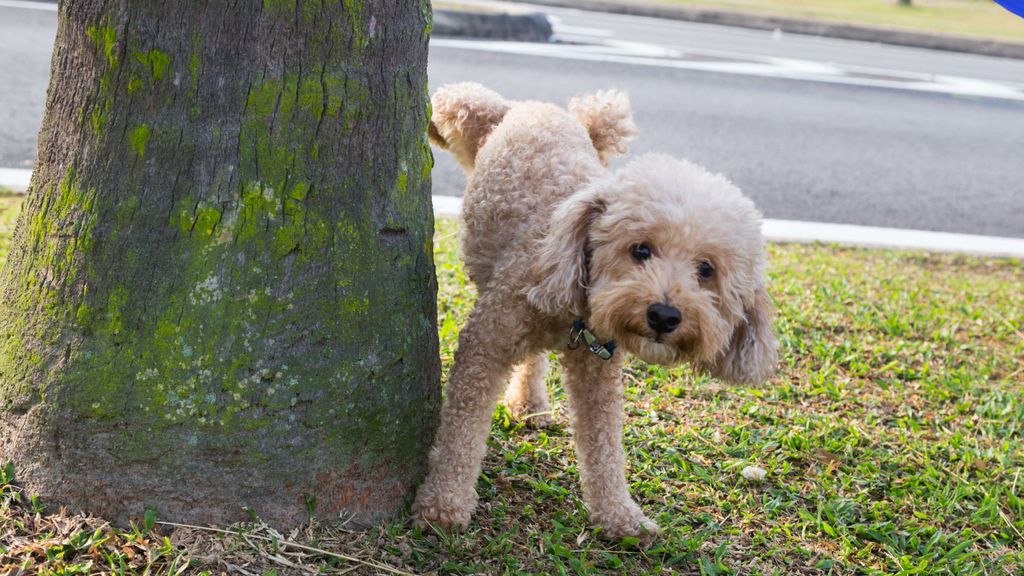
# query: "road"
813,129
24,73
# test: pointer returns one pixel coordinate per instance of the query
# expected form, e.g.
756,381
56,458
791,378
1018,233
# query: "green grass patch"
10,206
891,438
975,18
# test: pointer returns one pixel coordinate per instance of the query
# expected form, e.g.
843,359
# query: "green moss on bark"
139,137
105,38
155,61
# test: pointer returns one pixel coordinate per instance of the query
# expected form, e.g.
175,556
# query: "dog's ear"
560,271
752,353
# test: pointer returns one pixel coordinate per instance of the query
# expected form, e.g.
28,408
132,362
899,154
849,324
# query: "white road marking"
447,205
785,231
639,54
44,6
14,178
774,230
606,49
569,30
875,237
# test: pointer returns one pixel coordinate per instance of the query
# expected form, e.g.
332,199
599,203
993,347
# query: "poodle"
660,258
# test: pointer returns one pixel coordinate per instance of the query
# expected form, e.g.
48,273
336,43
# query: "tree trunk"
221,291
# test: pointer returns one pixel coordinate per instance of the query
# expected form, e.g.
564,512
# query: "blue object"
1015,6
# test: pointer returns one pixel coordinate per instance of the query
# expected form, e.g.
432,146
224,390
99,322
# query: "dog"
660,258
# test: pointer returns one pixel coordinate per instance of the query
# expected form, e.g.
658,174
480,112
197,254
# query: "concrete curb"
797,26
782,231
15,179
799,232
496,25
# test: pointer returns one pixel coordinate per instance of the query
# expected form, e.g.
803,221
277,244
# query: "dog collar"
579,330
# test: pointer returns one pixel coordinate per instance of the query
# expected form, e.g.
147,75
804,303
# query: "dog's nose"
663,318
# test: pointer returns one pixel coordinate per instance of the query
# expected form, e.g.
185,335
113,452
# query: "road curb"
15,179
798,26
781,231
494,25
799,232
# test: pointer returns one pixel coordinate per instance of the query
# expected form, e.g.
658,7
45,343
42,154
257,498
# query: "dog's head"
668,260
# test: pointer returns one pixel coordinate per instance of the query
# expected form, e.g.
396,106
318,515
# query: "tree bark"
220,293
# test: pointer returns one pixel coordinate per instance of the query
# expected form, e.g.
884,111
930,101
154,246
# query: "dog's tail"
462,116
608,118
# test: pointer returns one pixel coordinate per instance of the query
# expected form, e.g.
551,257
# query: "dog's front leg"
489,345
596,412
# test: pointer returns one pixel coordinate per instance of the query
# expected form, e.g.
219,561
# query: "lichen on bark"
221,287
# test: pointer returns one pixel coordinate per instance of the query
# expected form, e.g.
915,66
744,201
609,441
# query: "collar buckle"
580,331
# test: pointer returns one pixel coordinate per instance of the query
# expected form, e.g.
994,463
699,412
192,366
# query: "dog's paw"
443,510
626,522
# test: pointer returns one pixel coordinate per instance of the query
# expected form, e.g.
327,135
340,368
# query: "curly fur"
461,119
547,237
608,119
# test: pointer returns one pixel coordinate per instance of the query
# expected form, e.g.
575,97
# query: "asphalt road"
818,149
802,150
728,40
24,74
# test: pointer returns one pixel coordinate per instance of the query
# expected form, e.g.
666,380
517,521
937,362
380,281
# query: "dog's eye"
705,269
640,252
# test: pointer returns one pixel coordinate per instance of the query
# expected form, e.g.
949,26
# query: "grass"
891,438
976,18
32,542
9,207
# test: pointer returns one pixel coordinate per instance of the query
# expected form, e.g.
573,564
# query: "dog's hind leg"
596,413
493,340
527,392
